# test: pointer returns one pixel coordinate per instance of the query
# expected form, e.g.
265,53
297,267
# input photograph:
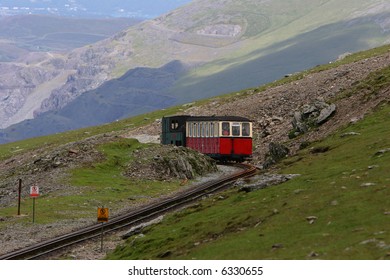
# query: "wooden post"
33,209
19,195
101,241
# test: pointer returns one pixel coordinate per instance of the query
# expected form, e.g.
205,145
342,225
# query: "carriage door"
236,129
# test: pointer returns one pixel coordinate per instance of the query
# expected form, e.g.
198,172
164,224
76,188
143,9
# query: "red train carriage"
220,137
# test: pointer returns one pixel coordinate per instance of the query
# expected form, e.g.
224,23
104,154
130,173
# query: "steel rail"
135,217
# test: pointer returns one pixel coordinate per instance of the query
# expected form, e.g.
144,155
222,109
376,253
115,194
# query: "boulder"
311,115
326,113
277,152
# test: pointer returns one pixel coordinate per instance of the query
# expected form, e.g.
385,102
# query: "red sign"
34,191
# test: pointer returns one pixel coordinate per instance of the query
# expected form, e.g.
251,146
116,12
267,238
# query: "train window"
225,128
174,125
190,125
216,130
195,129
245,129
198,131
207,129
194,133
211,129
236,129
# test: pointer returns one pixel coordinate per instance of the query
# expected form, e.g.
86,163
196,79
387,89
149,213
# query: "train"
224,138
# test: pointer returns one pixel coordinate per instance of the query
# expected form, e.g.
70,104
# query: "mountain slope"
343,182
225,46
319,46
33,33
139,90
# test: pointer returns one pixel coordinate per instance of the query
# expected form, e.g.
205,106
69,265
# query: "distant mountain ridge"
223,46
90,8
25,36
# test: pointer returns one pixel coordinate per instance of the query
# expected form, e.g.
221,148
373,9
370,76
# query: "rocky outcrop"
169,162
90,67
311,115
16,84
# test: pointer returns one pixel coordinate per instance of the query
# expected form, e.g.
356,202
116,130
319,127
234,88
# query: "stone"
276,153
367,184
311,219
381,152
263,181
277,246
326,113
349,134
373,166
312,115
138,229
313,254
298,123
334,203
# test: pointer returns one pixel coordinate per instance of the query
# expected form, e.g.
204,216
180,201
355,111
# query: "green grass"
95,185
352,218
372,85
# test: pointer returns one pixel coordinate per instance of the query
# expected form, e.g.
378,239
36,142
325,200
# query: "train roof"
212,118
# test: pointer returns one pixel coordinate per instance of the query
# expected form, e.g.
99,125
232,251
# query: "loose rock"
311,219
263,181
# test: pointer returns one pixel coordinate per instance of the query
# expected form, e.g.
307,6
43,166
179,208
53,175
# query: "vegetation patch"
372,85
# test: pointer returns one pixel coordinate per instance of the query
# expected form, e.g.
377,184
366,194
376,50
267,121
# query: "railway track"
130,219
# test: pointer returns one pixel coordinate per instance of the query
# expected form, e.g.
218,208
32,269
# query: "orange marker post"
102,217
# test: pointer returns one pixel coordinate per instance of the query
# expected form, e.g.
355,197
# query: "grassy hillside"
298,35
343,185
345,190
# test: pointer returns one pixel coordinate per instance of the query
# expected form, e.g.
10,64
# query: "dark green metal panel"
174,130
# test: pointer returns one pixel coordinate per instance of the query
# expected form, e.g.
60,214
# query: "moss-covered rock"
169,162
